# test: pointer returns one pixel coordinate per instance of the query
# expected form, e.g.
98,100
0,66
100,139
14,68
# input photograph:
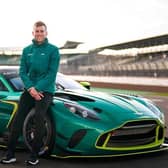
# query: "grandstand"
10,55
144,57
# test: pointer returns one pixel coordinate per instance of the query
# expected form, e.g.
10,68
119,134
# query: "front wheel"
28,133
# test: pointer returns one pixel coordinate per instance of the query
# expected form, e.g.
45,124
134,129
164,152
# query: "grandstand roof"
146,42
71,45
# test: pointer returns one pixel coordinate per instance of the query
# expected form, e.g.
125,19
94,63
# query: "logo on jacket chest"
30,54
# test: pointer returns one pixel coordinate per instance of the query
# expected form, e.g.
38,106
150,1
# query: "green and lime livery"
82,123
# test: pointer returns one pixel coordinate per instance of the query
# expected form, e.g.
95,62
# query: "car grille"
132,134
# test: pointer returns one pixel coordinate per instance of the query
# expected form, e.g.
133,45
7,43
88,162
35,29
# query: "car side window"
2,87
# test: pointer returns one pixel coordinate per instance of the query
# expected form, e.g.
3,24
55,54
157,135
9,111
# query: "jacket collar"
42,44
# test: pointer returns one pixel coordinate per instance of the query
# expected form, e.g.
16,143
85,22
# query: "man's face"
39,33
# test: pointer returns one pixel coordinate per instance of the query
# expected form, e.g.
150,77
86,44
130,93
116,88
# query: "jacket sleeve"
23,71
52,71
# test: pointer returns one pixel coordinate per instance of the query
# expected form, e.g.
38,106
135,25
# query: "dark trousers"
27,102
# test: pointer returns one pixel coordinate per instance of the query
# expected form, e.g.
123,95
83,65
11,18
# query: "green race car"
83,123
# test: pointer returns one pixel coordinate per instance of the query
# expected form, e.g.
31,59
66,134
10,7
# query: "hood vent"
73,97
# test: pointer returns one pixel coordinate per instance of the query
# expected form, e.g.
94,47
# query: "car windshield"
17,83
64,82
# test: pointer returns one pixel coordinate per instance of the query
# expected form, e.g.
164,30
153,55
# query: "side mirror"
87,85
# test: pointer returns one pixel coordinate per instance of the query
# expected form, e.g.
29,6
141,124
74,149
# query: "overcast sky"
94,22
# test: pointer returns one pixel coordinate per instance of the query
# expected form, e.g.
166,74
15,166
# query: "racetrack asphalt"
154,160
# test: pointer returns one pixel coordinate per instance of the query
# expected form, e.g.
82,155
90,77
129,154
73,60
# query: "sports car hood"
111,106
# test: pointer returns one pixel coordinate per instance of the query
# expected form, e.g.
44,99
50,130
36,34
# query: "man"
38,68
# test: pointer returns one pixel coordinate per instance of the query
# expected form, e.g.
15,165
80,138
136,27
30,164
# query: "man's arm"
23,72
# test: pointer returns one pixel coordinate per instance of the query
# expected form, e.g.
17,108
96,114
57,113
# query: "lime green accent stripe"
13,112
106,141
147,146
165,147
3,146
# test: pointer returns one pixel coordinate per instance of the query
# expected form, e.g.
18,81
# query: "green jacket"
39,65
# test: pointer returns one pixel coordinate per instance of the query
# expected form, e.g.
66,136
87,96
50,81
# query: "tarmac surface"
154,160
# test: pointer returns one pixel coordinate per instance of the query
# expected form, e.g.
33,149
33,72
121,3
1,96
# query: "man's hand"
35,94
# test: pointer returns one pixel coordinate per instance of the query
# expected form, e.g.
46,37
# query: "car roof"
6,70
9,66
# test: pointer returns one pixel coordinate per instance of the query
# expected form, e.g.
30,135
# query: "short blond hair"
40,23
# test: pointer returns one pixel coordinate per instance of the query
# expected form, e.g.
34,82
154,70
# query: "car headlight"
81,111
155,110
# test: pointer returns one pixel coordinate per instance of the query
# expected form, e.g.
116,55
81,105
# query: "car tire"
48,139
